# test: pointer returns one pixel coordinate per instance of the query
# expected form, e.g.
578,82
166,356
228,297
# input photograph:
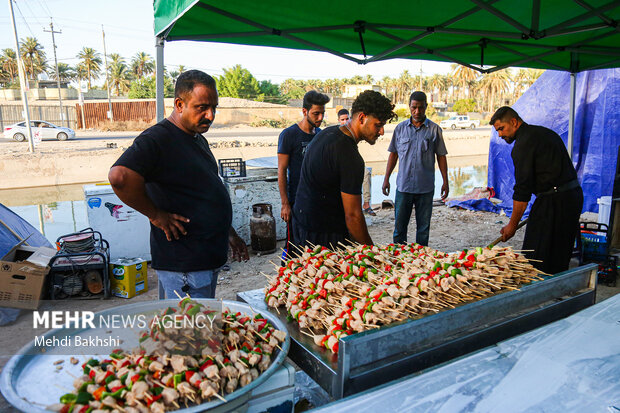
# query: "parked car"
19,131
460,121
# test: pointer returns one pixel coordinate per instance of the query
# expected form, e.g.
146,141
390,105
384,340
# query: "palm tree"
120,77
404,85
495,84
116,58
436,83
65,73
8,63
34,57
142,64
90,62
524,79
463,78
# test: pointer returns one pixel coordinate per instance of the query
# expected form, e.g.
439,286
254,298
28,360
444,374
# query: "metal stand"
371,358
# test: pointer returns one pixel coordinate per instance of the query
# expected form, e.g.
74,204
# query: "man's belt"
562,188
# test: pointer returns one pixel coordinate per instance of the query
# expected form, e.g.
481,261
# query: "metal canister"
262,229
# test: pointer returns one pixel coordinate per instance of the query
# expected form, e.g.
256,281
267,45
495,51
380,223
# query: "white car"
19,131
460,121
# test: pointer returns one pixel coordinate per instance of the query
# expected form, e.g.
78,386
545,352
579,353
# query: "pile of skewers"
340,292
177,366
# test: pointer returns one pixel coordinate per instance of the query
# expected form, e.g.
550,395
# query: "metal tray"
374,357
30,380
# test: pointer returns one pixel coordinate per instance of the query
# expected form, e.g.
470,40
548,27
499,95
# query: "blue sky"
128,27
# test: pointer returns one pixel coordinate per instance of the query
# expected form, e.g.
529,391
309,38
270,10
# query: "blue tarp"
11,222
596,138
22,228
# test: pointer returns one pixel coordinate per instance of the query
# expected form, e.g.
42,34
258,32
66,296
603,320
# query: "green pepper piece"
177,378
479,250
68,398
83,397
110,379
193,311
85,385
91,363
157,390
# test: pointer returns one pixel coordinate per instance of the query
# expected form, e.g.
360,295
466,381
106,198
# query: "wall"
14,112
245,192
248,115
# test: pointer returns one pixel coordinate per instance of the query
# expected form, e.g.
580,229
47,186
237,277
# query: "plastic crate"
594,247
232,168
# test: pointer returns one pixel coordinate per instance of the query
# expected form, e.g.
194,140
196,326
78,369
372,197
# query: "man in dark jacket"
543,168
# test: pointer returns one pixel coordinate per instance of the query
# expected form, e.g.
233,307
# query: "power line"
23,18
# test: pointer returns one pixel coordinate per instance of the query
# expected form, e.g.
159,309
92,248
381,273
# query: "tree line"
134,78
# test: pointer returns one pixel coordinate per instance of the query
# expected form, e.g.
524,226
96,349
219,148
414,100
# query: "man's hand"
445,190
237,246
171,224
285,213
508,232
386,187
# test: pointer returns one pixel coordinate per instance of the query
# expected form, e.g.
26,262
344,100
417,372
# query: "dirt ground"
451,230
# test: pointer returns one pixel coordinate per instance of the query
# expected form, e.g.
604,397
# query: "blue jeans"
198,284
402,214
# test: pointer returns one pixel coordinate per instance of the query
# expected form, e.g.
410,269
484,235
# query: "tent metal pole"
159,76
571,116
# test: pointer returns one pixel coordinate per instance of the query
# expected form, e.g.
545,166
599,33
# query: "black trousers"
552,227
303,237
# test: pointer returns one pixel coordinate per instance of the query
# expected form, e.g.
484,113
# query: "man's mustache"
206,122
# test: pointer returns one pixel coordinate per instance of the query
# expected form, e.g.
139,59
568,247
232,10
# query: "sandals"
369,211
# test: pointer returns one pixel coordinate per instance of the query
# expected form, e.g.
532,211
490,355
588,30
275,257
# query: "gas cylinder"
262,229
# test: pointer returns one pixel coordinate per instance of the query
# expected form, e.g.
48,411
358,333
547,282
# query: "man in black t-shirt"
542,167
292,145
328,206
170,175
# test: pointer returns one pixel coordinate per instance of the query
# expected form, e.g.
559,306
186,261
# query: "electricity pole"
57,71
22,80
107,83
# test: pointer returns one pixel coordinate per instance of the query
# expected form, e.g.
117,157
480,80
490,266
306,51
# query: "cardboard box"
23,272
128,277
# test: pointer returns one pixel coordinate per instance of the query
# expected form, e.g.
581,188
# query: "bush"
402,113
272,123
463,106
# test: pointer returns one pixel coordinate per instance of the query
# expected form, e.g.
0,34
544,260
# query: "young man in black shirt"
328,206
543,168
292,145
170,175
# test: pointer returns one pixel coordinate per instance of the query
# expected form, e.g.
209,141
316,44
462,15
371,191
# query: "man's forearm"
282,187
442,163
356,224
518,209
130,188
391,164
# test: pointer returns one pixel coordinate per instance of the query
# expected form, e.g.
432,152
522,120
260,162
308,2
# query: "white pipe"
22,80
159,74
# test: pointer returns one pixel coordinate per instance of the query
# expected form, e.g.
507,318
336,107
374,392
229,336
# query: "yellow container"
128,277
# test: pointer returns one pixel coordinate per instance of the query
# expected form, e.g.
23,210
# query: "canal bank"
86,160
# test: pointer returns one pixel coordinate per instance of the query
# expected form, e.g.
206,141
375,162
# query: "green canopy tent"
485,35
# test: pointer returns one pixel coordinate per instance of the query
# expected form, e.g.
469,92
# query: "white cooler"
126,229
